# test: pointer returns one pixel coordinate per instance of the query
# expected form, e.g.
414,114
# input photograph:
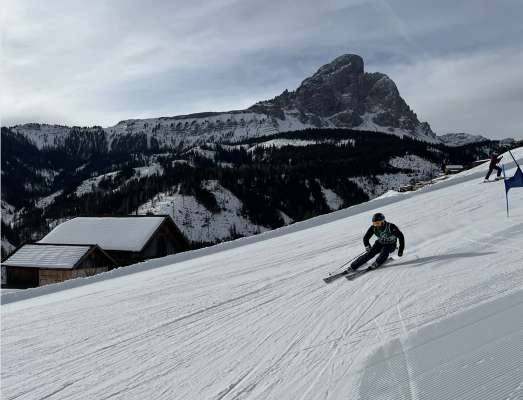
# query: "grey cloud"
98,62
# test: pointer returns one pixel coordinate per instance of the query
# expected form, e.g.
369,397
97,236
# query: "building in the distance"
127,240
86,246
454,169
39,264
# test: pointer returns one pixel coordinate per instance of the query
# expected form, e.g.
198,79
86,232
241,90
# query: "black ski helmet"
378,217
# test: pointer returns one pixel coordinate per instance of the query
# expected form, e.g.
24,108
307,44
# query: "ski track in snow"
257,322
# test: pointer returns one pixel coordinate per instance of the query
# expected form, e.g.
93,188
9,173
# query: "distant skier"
388,234
494,160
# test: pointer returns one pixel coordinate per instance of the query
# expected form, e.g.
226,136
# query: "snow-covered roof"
47,256
110,233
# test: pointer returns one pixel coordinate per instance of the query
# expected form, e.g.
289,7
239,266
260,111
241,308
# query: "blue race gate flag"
515,181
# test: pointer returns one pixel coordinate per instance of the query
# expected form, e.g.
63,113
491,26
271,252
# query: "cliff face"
341,94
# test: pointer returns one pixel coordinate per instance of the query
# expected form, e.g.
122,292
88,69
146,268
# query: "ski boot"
374,265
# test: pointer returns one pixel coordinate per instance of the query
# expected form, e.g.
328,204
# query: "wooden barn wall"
48,276
163,243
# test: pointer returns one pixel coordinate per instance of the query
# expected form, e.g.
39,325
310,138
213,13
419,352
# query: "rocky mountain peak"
341,94
346,64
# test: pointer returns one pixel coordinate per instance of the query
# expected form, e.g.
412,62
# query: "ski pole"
351,260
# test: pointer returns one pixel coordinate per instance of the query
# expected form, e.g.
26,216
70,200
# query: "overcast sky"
459,65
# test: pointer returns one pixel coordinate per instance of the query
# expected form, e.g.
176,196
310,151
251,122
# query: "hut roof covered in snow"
110,233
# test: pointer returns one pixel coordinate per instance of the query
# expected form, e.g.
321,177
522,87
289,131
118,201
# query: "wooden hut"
39,264
127,240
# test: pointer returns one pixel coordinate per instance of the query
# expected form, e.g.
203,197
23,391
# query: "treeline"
266,179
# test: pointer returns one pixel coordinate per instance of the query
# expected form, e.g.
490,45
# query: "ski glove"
367,248
400,252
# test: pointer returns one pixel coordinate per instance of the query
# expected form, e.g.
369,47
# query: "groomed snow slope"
252,319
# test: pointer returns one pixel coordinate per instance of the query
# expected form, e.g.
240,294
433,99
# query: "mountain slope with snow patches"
187,213
252,318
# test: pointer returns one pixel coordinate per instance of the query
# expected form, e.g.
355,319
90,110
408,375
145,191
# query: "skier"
387,234
494,160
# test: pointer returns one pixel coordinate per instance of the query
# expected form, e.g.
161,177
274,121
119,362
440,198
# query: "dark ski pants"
490,169
383,249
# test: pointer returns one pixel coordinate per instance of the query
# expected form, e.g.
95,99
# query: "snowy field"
252,319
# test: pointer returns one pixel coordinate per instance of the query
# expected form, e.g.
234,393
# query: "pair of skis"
493,180
351,275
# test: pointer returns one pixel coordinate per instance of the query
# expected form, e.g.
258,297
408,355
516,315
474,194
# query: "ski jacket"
388,234
494,160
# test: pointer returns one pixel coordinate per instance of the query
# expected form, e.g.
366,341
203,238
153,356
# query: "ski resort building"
39,264
127,240
453,169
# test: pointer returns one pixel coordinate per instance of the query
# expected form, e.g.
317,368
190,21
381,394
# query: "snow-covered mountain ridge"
339,95
252,318
461,139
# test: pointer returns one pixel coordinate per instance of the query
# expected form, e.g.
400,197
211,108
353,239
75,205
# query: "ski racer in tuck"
388,234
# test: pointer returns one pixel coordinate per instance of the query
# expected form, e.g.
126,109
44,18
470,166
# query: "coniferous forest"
281,173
